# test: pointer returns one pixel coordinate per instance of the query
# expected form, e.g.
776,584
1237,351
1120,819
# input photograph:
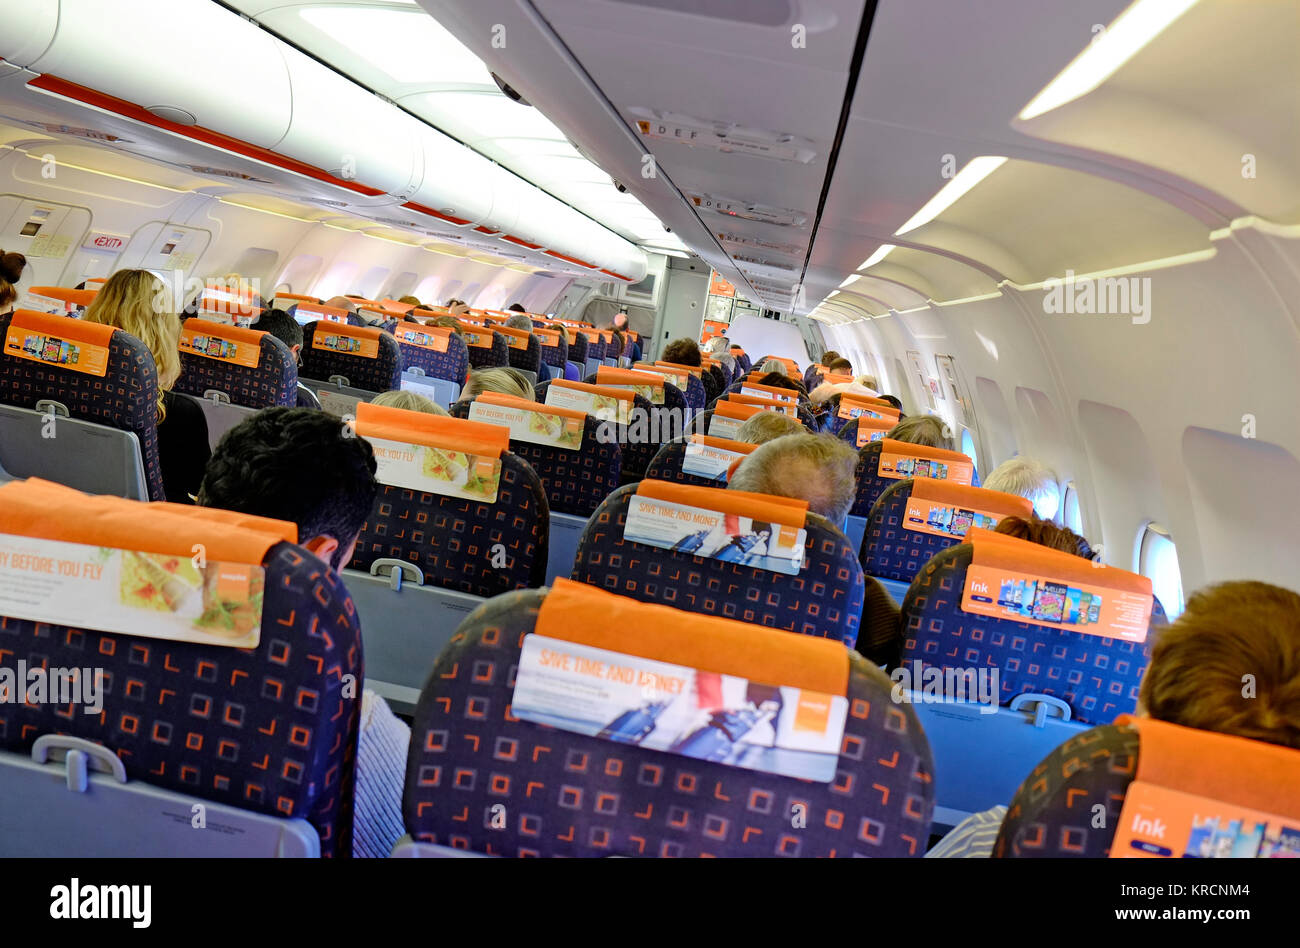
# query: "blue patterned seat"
125,397
494,356
870,482
578,350
527,359
1055,812
274,381
565,794
1097,676
452,365
824,599
891,551
270,729
557,355
379,374
452,540
667,466
575,481
742,359
848,430
804,413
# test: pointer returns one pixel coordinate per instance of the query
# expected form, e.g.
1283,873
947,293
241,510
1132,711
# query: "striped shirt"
972,838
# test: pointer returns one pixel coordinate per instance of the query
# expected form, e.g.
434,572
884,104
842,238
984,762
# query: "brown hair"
139,303
781,380
682,352
11,271
1045,533
1231,664
839,365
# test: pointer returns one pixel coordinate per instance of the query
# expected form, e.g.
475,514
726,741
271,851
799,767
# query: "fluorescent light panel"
1117,44
976,170
406,46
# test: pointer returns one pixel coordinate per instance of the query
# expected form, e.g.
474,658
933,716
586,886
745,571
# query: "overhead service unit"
274,105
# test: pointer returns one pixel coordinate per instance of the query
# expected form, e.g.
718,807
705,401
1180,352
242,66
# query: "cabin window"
371,282
298,275
1158,560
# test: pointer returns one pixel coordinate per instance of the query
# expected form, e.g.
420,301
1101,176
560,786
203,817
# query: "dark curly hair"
297,464
682,352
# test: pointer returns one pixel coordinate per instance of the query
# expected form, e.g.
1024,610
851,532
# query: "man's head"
780,380
820,469
1045,533
297,464
516,308
504,381
682,352
408,401
284,327
765,426
840,366
829,356
342,302
1229,634
520,322
772,366
620,320
1030,479
925,430
894,400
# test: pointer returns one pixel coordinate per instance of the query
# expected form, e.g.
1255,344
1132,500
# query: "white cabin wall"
1152,422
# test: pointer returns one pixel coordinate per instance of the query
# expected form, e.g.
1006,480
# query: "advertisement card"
715,535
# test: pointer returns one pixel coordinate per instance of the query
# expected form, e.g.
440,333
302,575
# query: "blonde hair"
139,303
1030,479
502,380
563,331
408,401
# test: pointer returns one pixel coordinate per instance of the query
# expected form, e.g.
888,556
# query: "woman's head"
139,303
503,381
408,401
11,271
1045,533
562,330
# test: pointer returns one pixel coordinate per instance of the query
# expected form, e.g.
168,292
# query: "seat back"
479,780
823,598
478,546
555,350
843,408
90,457
523,349
859,432
1002,603
268,727
697,459
1215,796
576,478
639,439
801,410
886,461
744,361
578,350
124,395
916,518
250,368
436,350
487,349
367,357
679,377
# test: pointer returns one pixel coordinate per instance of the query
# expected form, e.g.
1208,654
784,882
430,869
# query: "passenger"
620,321
682,352
409,301
840,366
408,401
924,430
823,392
501,380
768,426
139,303
518,308
285,328
11,271
1031,479
258,469
880,637
563,331
615,348
450,322
781,380
893,400
820,469
829,356
520,321
772,366
1045,533
719,347
342,302
1228,633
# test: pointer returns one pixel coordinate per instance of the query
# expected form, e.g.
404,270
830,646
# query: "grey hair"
820,469
767,426
925,430
1028,478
